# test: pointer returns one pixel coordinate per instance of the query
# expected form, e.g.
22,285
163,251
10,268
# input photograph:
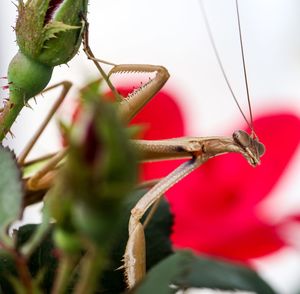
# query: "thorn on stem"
28,105
11,133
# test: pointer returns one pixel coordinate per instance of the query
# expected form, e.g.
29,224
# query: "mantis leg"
135,101
90,55
66,87
132,104
43,178
134,257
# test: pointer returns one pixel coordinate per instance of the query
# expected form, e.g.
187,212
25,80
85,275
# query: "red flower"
216,207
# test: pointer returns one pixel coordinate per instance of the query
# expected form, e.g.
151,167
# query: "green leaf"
185,270
159,278
10,192
51,29
206,272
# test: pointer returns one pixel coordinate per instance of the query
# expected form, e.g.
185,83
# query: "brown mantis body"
198,150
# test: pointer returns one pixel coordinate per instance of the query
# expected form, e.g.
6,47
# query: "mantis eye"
242,138
260,147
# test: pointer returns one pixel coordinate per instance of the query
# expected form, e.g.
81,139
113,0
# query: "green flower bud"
50,31
101,147
100,171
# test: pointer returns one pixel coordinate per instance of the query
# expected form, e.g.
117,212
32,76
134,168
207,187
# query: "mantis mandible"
198,150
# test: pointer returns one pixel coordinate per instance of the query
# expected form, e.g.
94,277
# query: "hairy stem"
64,272
92,265
8,117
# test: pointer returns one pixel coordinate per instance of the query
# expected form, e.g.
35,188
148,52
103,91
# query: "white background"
172,33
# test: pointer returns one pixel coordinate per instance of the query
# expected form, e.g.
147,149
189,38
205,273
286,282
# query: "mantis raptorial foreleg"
131,105
200,149
135,101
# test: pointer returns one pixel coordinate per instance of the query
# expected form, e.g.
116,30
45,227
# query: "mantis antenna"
216,52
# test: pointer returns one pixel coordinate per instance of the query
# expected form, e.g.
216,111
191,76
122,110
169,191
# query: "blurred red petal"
225,237
161,118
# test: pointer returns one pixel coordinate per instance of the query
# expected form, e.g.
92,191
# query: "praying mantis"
196,150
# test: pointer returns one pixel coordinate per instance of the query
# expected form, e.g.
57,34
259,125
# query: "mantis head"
252,148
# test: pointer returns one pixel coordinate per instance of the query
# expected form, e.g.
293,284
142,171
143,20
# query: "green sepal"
53,28
30,26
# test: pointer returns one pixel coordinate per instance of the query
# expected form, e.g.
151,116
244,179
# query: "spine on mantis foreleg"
48,33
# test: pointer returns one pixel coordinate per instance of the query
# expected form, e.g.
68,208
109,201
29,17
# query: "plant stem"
8,115
92,265
64,272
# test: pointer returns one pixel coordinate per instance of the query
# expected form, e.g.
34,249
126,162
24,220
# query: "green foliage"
11,192
45,256
208,272
184,270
